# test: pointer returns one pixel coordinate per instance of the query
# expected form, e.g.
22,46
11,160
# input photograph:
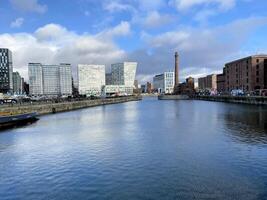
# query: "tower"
176,69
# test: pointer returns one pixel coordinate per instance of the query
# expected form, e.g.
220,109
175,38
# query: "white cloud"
198,48
154,19
17,23
113,6
53,44
29,6
183,5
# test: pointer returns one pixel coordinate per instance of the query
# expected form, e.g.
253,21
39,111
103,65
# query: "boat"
13,120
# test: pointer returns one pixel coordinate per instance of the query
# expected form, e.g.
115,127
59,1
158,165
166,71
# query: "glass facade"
6,71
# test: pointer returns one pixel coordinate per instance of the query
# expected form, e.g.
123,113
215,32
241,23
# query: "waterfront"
139,150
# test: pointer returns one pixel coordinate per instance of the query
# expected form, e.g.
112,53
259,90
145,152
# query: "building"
248,74
50,80
18,82
221,82
117,90
208,83
35,79
91,79
164,83
136,84
65,79
149,87
6,71
123,73
108,79
190,82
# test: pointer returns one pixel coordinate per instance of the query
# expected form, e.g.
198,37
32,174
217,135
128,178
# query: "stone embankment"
47,108
253,100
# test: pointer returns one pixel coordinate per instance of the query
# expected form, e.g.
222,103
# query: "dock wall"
235,99
47,108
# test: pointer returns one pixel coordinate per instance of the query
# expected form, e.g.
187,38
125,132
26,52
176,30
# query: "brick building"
248,73
209,82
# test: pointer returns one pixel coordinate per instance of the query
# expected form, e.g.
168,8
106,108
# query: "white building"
123,73
117,89
164,83
65,79
35,78
50,80
91,78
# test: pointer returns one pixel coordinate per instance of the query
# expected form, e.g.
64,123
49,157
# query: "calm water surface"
139,150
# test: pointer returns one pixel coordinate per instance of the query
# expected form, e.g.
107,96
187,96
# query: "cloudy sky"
206,33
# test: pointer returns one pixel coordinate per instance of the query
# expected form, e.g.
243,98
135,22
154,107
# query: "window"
257,73
257,80
257,67
258,61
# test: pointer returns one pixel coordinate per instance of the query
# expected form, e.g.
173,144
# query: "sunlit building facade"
6,71
91,79
164,83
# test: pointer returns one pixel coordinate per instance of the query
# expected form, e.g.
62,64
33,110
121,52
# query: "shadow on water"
18,125
247,123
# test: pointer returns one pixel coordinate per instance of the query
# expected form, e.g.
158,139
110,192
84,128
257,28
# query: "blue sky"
206,33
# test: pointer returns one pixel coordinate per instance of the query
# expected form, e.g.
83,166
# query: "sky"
206,33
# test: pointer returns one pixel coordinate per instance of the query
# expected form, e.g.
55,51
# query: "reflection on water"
247,123
139,150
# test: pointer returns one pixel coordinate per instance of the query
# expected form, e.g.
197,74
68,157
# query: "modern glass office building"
123,73
65,80
35,78
6,71
91,78
17,83
50,80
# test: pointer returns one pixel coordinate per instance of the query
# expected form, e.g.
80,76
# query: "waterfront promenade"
53,107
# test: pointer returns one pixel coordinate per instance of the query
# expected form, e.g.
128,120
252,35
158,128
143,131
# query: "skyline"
206,33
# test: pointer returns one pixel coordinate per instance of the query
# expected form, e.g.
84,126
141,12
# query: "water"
139,150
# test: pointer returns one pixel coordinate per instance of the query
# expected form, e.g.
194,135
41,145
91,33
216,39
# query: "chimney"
176,69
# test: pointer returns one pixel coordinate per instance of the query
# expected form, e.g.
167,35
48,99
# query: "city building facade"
6,71
50,80
247,74
123,73
164,83
208,83
35,72
91,79
18,83
221,82
65,79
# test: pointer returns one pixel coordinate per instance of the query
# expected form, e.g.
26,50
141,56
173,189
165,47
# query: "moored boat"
7,121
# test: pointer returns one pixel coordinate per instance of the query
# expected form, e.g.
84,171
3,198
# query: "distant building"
18,82
108,79
143,88
117,90
208,83
6,70
65,79
91,79
50,80
35,79
190,81
136,84
123,73
164,83
247,74
221,82
149,87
